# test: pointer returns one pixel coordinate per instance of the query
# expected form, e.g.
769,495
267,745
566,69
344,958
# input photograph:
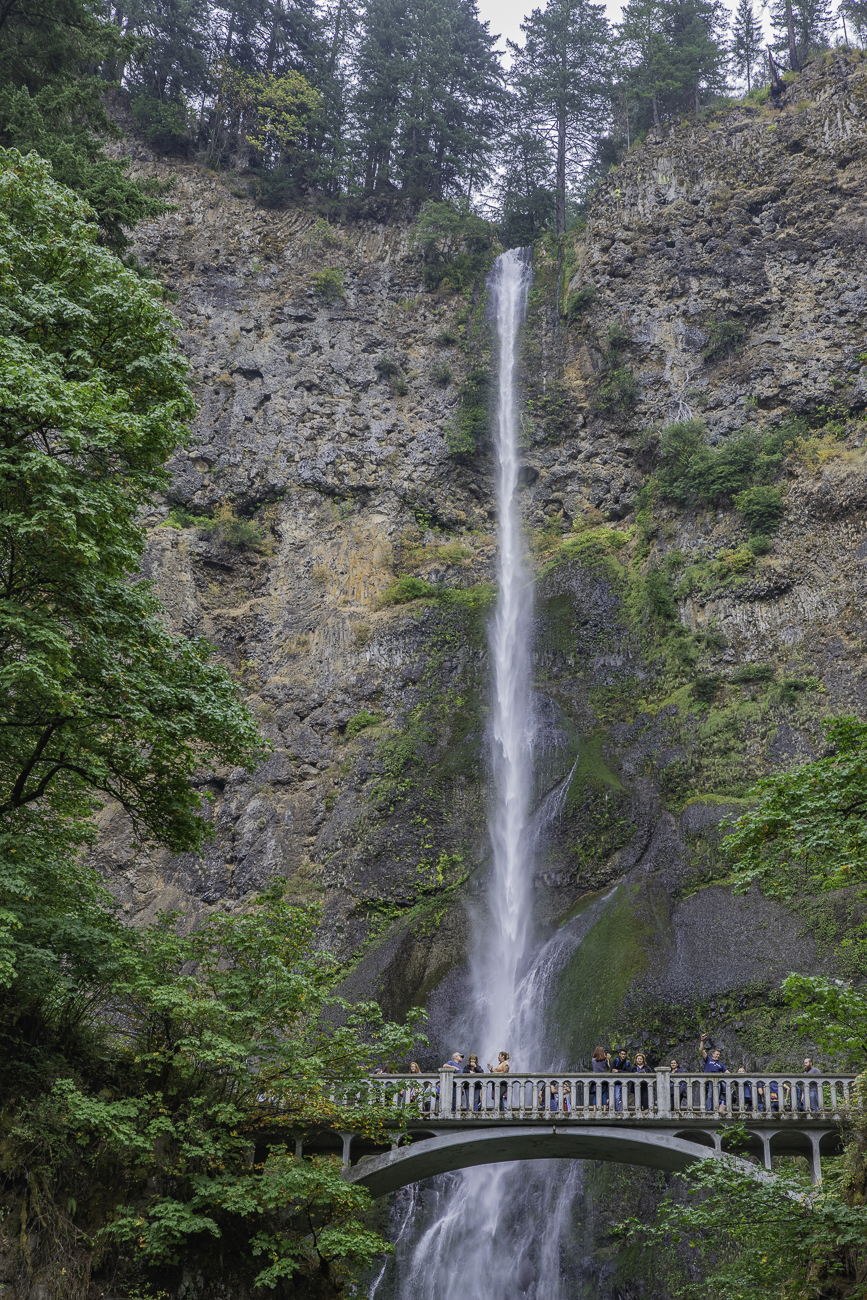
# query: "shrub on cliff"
689,471
457,245
467,431
328,283
762,508
807,827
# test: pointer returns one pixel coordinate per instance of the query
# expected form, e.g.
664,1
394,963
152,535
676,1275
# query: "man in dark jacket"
620,1065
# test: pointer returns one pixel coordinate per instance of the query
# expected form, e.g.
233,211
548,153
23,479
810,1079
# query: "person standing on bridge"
675,1069
713,1064
809,1068
473,1067
600,1064
456,1064
622,1065
641,1067
502,1067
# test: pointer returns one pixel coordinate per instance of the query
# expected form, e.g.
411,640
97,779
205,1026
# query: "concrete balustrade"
713,1098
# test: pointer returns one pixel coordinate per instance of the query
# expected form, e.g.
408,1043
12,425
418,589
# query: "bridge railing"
656,1095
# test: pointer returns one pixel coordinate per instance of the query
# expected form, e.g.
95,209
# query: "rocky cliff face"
721,275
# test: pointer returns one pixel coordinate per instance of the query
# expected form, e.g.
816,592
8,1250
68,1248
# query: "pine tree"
674,52
381,74
525,190
813,23
427,105
854,16
56,63
561,76
747,42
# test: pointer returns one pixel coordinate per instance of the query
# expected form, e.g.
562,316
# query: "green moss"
594,983
592,770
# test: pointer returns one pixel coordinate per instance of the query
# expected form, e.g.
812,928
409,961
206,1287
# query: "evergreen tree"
427,104
854,16
747,42
643,48
561,78
696,36
674,52
525,190
54,60
381,73
813,23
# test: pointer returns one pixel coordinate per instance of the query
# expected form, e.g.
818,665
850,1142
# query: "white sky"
506,15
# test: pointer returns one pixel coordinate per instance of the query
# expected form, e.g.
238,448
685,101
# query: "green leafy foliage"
165,123
227,1036
688,470
723,336
468,430
407,589
360,722
760,1239
55,65
832,1014
807,829
458,246
618,389
762,508
95,694
579,302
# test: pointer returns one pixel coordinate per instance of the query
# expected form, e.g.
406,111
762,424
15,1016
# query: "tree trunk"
561,172
776,84
655,111
793,49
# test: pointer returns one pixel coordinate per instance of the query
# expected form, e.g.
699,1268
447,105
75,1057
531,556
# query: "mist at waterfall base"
502,1230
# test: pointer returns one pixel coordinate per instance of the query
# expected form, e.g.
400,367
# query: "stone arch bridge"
660,1120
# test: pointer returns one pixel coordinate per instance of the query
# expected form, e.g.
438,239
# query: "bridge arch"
441,1153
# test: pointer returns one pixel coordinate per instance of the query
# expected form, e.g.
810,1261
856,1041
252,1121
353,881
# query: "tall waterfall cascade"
501,1230
497,957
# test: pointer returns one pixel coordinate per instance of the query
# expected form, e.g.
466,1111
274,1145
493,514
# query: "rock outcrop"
721,275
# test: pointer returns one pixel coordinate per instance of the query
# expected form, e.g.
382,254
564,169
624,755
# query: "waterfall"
499,1230
496,958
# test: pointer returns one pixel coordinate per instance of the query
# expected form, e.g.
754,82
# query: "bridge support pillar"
299,1146
766,1149
815,1159
346,1158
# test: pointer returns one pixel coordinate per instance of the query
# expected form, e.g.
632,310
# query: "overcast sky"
506,15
